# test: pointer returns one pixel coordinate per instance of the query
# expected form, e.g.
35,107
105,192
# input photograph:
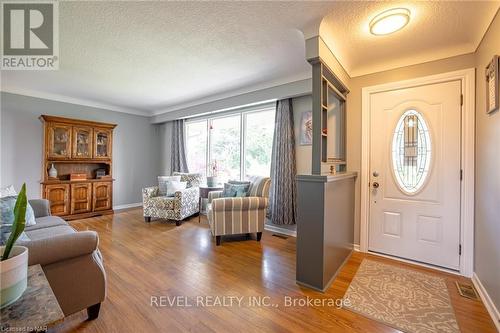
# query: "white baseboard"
356,247
487,301
279,230
132,205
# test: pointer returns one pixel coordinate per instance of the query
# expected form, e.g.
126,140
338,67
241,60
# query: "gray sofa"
70,260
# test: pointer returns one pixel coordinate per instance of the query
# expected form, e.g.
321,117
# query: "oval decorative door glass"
411,152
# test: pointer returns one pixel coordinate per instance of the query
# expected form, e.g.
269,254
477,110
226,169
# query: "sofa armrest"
214,195
190,193
239,203
41,207
149,192
58,248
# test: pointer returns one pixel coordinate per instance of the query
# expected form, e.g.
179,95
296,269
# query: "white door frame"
467,78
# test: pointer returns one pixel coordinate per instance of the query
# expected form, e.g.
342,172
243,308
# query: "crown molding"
73,100
254,97
155,113
232,93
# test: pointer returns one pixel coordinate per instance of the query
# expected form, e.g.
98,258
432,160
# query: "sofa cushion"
164,182
260,186
246,187
47,222
6,227
7,211
41,207
175,187
5,232
7,191
192,179
235,190
44,233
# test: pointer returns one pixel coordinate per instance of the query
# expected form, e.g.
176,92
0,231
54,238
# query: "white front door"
415,173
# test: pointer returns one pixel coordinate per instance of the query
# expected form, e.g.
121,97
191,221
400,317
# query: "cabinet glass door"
102,143
82,142
59,145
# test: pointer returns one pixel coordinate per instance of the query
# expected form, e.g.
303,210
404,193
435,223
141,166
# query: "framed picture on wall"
305,138
492,88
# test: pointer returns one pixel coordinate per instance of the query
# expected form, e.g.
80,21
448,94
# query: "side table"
36,310
204,190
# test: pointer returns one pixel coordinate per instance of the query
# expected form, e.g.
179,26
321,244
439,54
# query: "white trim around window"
243,113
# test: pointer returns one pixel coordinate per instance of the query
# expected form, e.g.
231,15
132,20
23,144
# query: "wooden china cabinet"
81,152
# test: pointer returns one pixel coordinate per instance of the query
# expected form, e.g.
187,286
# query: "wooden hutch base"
81,152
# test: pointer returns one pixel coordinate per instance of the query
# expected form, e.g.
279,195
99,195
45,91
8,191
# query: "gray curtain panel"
178,161
283,194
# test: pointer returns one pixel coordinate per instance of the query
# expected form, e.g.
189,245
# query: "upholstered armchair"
183,204
239,215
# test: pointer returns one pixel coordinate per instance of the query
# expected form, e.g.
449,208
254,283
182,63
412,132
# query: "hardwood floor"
153,259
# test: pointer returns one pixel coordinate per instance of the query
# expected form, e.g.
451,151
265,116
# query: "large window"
225,146
258,142
196,143
239,143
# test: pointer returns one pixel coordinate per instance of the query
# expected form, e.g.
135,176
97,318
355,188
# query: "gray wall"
487,221
135,147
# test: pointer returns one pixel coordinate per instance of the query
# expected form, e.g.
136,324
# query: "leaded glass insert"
411,152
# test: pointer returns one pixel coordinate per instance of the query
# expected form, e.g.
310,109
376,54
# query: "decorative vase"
52,171
211,181
14,275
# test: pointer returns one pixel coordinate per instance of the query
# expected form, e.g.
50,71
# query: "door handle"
376,185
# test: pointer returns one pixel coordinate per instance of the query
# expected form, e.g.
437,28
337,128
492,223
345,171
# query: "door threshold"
417,263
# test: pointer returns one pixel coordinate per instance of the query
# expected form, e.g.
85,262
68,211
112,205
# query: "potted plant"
212,179
14,259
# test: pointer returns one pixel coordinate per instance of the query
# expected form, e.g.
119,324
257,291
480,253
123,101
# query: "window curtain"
178,162
283,195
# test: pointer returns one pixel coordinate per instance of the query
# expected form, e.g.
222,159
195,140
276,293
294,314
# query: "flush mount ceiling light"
389,21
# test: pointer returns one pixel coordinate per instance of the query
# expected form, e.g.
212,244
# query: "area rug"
402,298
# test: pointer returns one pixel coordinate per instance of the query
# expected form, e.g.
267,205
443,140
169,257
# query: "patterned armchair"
240,215
183,204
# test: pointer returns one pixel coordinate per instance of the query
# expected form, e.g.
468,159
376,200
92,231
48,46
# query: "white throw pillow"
163,183
174,186
8,191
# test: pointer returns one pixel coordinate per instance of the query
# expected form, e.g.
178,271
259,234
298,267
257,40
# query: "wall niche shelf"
332,118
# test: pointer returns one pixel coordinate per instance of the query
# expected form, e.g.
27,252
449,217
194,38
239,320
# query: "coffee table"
36,310
204,190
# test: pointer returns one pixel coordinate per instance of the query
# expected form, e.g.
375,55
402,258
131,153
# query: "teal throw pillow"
234,190
5,233
7,211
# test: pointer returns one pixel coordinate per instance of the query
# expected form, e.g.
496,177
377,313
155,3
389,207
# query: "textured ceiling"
153,56
150,57
437,30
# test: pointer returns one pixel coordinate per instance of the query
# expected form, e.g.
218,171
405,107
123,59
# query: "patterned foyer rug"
402,298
